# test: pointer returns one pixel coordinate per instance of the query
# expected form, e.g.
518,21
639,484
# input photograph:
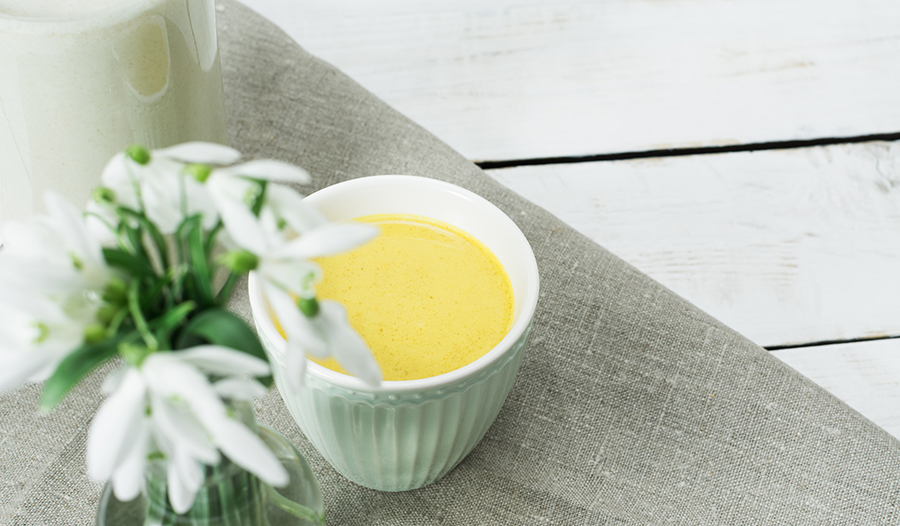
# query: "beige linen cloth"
631,407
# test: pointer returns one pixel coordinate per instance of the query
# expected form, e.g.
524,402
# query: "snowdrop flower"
52,272
53,254
282,260
325,333
156,183
278,239
166,404
235,189
285,232
35,335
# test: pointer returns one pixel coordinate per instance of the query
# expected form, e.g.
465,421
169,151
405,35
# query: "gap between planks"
786,246
681,152
825,343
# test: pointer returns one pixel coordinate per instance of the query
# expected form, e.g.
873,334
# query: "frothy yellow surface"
427,297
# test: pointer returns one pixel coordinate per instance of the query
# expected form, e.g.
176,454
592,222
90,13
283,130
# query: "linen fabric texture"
631,407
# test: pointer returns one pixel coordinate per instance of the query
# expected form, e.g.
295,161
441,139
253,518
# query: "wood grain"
789,247
865,375
786,246
517,79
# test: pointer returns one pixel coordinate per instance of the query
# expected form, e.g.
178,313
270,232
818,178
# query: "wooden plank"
786,246
865,375
516,79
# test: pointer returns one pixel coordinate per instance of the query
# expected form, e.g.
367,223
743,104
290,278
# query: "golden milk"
427,297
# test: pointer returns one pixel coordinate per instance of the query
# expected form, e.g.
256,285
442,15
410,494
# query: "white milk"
83,79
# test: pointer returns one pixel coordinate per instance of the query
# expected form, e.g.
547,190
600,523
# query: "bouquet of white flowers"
144,275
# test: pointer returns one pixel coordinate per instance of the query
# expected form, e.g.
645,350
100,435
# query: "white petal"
168,377
200,152
300,331
296,276
162,212
223,361
189,470
70,224
115,172
99,221
239,389
163,443
239,221
200,202
122,177
128,478
56,276
115,426
289,205
16,367
113,380
56,356
272,170
347,346
248,451
181,495
328,240
182,429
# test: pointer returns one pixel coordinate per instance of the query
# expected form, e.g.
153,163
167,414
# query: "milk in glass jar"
82,79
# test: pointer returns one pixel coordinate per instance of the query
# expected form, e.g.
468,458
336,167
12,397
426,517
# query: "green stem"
162,249
199,264
138,316
211,237
225,292
102,220
116,321
226,498
136,184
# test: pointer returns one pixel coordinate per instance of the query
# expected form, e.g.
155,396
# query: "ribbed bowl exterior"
398,441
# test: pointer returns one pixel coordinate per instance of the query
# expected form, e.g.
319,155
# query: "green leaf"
199,265
225,291
166,324
192,251
260,198
74,367
133,235
151,229
130,263
212,236
220,327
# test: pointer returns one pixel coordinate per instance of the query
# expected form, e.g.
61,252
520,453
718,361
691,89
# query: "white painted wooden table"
741,152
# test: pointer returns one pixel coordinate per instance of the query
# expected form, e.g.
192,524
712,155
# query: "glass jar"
83,79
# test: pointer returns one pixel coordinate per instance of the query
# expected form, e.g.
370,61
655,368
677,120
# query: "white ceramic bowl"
404,435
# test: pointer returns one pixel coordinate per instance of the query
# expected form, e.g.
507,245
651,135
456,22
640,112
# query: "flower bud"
308,306
115,292
240,261
106,313
103,196
200,172
138,154
134,354
94,333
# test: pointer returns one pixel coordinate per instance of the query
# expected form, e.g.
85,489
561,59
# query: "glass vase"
229,496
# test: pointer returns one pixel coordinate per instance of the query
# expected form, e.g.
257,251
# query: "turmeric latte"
427,297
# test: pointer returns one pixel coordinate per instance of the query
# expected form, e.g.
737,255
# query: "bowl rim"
258,303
